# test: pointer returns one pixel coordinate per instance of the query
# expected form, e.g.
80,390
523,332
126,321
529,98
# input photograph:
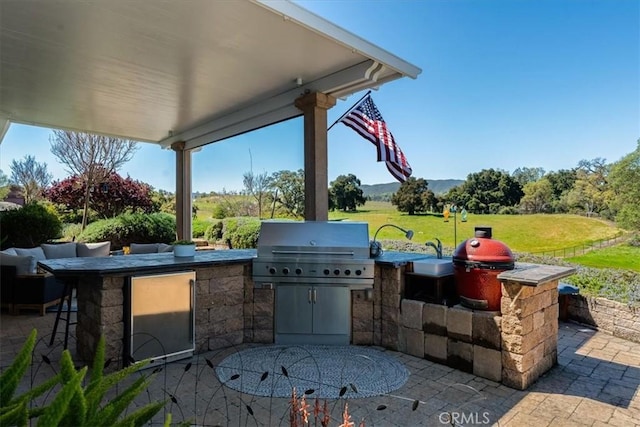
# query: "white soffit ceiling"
167,70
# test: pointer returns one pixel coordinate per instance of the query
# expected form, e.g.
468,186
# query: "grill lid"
483,251
285,238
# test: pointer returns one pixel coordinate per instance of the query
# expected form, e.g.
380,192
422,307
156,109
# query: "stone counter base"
514,346
502,348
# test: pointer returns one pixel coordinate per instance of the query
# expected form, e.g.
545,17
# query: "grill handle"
349,253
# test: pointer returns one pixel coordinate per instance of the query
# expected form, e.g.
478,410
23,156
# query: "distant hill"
438,186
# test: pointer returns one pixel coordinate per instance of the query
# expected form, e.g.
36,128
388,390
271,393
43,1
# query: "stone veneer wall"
455,336
376,321
618,319
100,301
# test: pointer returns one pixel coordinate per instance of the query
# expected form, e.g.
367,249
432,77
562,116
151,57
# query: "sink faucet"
375,248
437,247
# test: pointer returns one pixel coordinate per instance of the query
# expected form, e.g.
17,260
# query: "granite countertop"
398,259
535,274
139,263
126,264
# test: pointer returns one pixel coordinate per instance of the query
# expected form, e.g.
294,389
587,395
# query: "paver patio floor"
596,383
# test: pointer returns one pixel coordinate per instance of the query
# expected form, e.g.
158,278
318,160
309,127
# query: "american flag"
368,122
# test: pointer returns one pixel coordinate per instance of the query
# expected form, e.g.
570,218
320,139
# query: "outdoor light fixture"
375,248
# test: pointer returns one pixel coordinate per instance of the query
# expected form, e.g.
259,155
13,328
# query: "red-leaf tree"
112,196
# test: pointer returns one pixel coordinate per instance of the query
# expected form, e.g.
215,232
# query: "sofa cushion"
23,264
143,248
93,249
10,251
60,250
36,252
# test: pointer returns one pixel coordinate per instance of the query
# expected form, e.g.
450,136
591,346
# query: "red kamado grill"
477,263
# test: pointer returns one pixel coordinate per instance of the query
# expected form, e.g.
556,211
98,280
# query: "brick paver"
596,383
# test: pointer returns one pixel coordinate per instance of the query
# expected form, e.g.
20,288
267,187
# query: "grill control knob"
285,270
336,271
358,272
326,271
272,270
298,271
347,272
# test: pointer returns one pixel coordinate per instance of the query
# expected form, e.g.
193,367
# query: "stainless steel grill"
313,267
314,252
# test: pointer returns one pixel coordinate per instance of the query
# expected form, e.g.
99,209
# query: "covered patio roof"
173,71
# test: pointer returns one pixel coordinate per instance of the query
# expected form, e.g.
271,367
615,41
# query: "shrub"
220,211
634,240
199,227
130,228
214,232
508,210
241,232
29,226
238,232
71,231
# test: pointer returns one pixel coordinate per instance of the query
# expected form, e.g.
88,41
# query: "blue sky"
505,84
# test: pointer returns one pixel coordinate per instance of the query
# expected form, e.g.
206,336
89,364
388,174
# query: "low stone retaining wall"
613,317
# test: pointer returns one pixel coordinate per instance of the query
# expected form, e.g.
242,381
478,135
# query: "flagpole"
349,110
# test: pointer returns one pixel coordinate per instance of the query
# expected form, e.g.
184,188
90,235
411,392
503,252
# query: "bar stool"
67,294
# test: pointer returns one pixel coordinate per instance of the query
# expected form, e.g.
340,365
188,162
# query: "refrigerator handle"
192,285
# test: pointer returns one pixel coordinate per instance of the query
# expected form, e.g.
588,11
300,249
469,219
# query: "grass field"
620,256
522,233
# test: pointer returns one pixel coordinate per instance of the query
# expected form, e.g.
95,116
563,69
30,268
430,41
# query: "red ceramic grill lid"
482,251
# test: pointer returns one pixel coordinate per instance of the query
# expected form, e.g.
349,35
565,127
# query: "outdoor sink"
434,267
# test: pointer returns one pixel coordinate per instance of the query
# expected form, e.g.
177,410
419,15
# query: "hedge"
130,228
29,226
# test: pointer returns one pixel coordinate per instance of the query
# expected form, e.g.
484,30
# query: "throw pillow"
94,249
163,247
23,264
143,248
10,251
61,250
37,253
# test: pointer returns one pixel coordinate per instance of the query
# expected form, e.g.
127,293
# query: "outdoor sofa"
23,287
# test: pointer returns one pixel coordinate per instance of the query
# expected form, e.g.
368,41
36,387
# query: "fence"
582,249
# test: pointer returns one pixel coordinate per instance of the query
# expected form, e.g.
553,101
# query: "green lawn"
522,233
621,256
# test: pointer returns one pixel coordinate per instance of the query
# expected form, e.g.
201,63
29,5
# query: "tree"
91,157
625,184
561,184
32,176
113,196
526,175
411,196
346,192
538,196
288,191
591,190
4,185
486,192
257,186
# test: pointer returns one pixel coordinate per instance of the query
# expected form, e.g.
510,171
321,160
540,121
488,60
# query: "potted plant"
184,248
